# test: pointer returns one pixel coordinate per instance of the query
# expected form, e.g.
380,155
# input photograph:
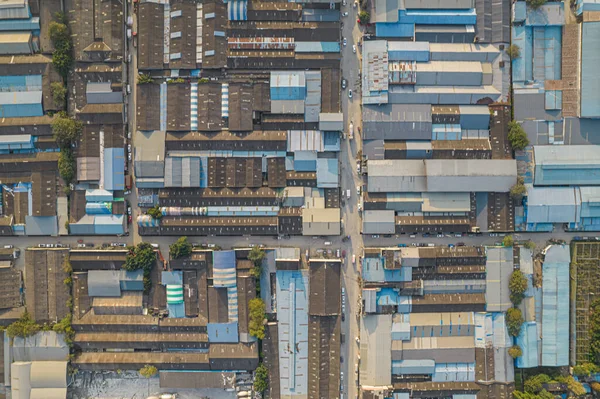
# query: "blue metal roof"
114,169
373,270
237,10
590,59
555,307
98,195
292,306
108,224
408,51
177,310
222,332
421,366
21,82
327,172
172,277
317,47
528,341
224,274
395,29
21,104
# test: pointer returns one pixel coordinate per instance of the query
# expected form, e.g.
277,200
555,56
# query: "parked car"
8,246
80,245
345,14
354,49
402,245
344,42
350,93
344,84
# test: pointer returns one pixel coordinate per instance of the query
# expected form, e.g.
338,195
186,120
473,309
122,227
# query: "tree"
256,255
66,131
148,371
535,3
59,94
508,241
595,386
257,316
530,245
518,190
144,79
155,212
534,384
261,378
515,351
64,327
513,51
364,17
58,32
62,58
517,136
574,386
585,369
140,257
517,286
180,248
66,165
514,321
23,327
178,80
67,267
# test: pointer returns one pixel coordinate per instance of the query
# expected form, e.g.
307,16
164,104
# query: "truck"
351,131
348,193
128,182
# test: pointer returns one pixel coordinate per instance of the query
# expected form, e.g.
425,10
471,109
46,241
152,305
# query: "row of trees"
62,57
534,386
66,132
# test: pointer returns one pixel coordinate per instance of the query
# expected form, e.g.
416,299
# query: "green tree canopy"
148,371
364,17
518,190
514,321
23,327
180,248
530,245
515,351
66,131
585,369
535,383
261,378
513,51
144,79
517,136
508,241
155,212
59,32
59,94
517,286
257,316
256,255
66,165
594,330
140,257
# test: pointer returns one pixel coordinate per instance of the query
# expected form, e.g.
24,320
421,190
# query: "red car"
129,219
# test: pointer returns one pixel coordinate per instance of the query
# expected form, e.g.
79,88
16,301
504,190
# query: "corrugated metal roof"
567,165
292,306
375,350
546,15
114,169
499,267
590,79
555,310
379,222
327,172
317,47
552,205
41,225
397,122
386,11
434,175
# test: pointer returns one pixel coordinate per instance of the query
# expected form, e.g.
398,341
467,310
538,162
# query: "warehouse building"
425,326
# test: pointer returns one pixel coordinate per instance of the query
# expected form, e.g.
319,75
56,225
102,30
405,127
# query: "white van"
348,193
